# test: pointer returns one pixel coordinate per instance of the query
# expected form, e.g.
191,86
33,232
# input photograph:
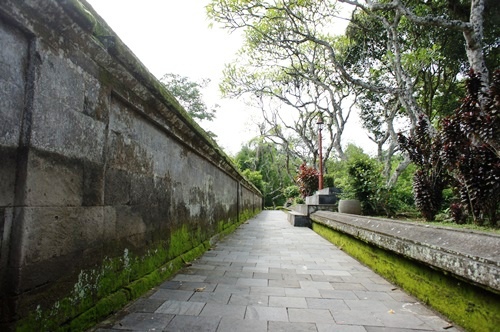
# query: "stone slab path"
270,276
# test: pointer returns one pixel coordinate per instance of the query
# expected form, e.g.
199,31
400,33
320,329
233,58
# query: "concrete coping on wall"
470,255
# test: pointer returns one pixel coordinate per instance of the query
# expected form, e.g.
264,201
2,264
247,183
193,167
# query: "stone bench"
471,255
298,219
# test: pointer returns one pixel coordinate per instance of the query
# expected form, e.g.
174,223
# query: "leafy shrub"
429,180
329,181
471,152
465,151
307,180
291,192
364,183
256,178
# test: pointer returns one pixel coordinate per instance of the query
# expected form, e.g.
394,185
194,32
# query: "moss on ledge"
467,305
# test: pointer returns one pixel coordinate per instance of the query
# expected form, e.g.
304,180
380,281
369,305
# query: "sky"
173,36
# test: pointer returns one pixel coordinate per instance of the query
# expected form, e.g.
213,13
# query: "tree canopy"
401,60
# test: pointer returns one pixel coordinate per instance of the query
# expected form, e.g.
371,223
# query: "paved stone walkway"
270,276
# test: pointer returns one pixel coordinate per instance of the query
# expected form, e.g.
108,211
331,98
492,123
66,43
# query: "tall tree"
283,29
272,164
189,94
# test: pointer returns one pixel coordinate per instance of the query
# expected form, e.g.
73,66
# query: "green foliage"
471,153
189,95
266,166
360,177
307,180
255,177
328,180
363,183
291,191
424,150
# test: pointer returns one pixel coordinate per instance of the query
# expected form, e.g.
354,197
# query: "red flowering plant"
308,180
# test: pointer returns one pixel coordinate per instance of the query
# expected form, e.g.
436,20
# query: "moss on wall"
469,306
104,290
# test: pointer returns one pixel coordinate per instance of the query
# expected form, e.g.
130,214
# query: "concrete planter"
351,206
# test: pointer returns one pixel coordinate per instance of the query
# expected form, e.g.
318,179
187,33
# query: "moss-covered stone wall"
107,185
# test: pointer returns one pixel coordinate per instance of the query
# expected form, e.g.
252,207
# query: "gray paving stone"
298,277
391,329
326,278
223,310
172,294
229,324
348,285
367,295
253,299
181,308
278,291
336,305
193,323
251,282
266,313
315,284
171,284
310,315
197,286
302,292
145,305
291,327
401,321
144,322
256,269
367,305
356,317
189,277
270,276
208,273
287,302
338,294
211,297
340,328
232,289
238,274
284,283
337,273
221,280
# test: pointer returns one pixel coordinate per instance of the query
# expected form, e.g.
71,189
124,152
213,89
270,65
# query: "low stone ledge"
298,219
470,255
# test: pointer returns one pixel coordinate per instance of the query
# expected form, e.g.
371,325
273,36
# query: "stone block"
8,164
13,60
53,180
51,232
298,220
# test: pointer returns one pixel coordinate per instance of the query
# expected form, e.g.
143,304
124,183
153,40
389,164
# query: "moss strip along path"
271,276
475,308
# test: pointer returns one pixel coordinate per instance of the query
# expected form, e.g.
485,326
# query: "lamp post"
320,150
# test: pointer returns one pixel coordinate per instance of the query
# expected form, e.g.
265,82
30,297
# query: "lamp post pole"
320,150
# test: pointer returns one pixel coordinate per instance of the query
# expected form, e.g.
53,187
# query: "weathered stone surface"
13,68
98,162
472,255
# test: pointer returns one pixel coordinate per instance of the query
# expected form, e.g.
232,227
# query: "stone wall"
104,179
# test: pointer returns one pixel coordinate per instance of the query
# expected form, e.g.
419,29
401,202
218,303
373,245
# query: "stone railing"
455,271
